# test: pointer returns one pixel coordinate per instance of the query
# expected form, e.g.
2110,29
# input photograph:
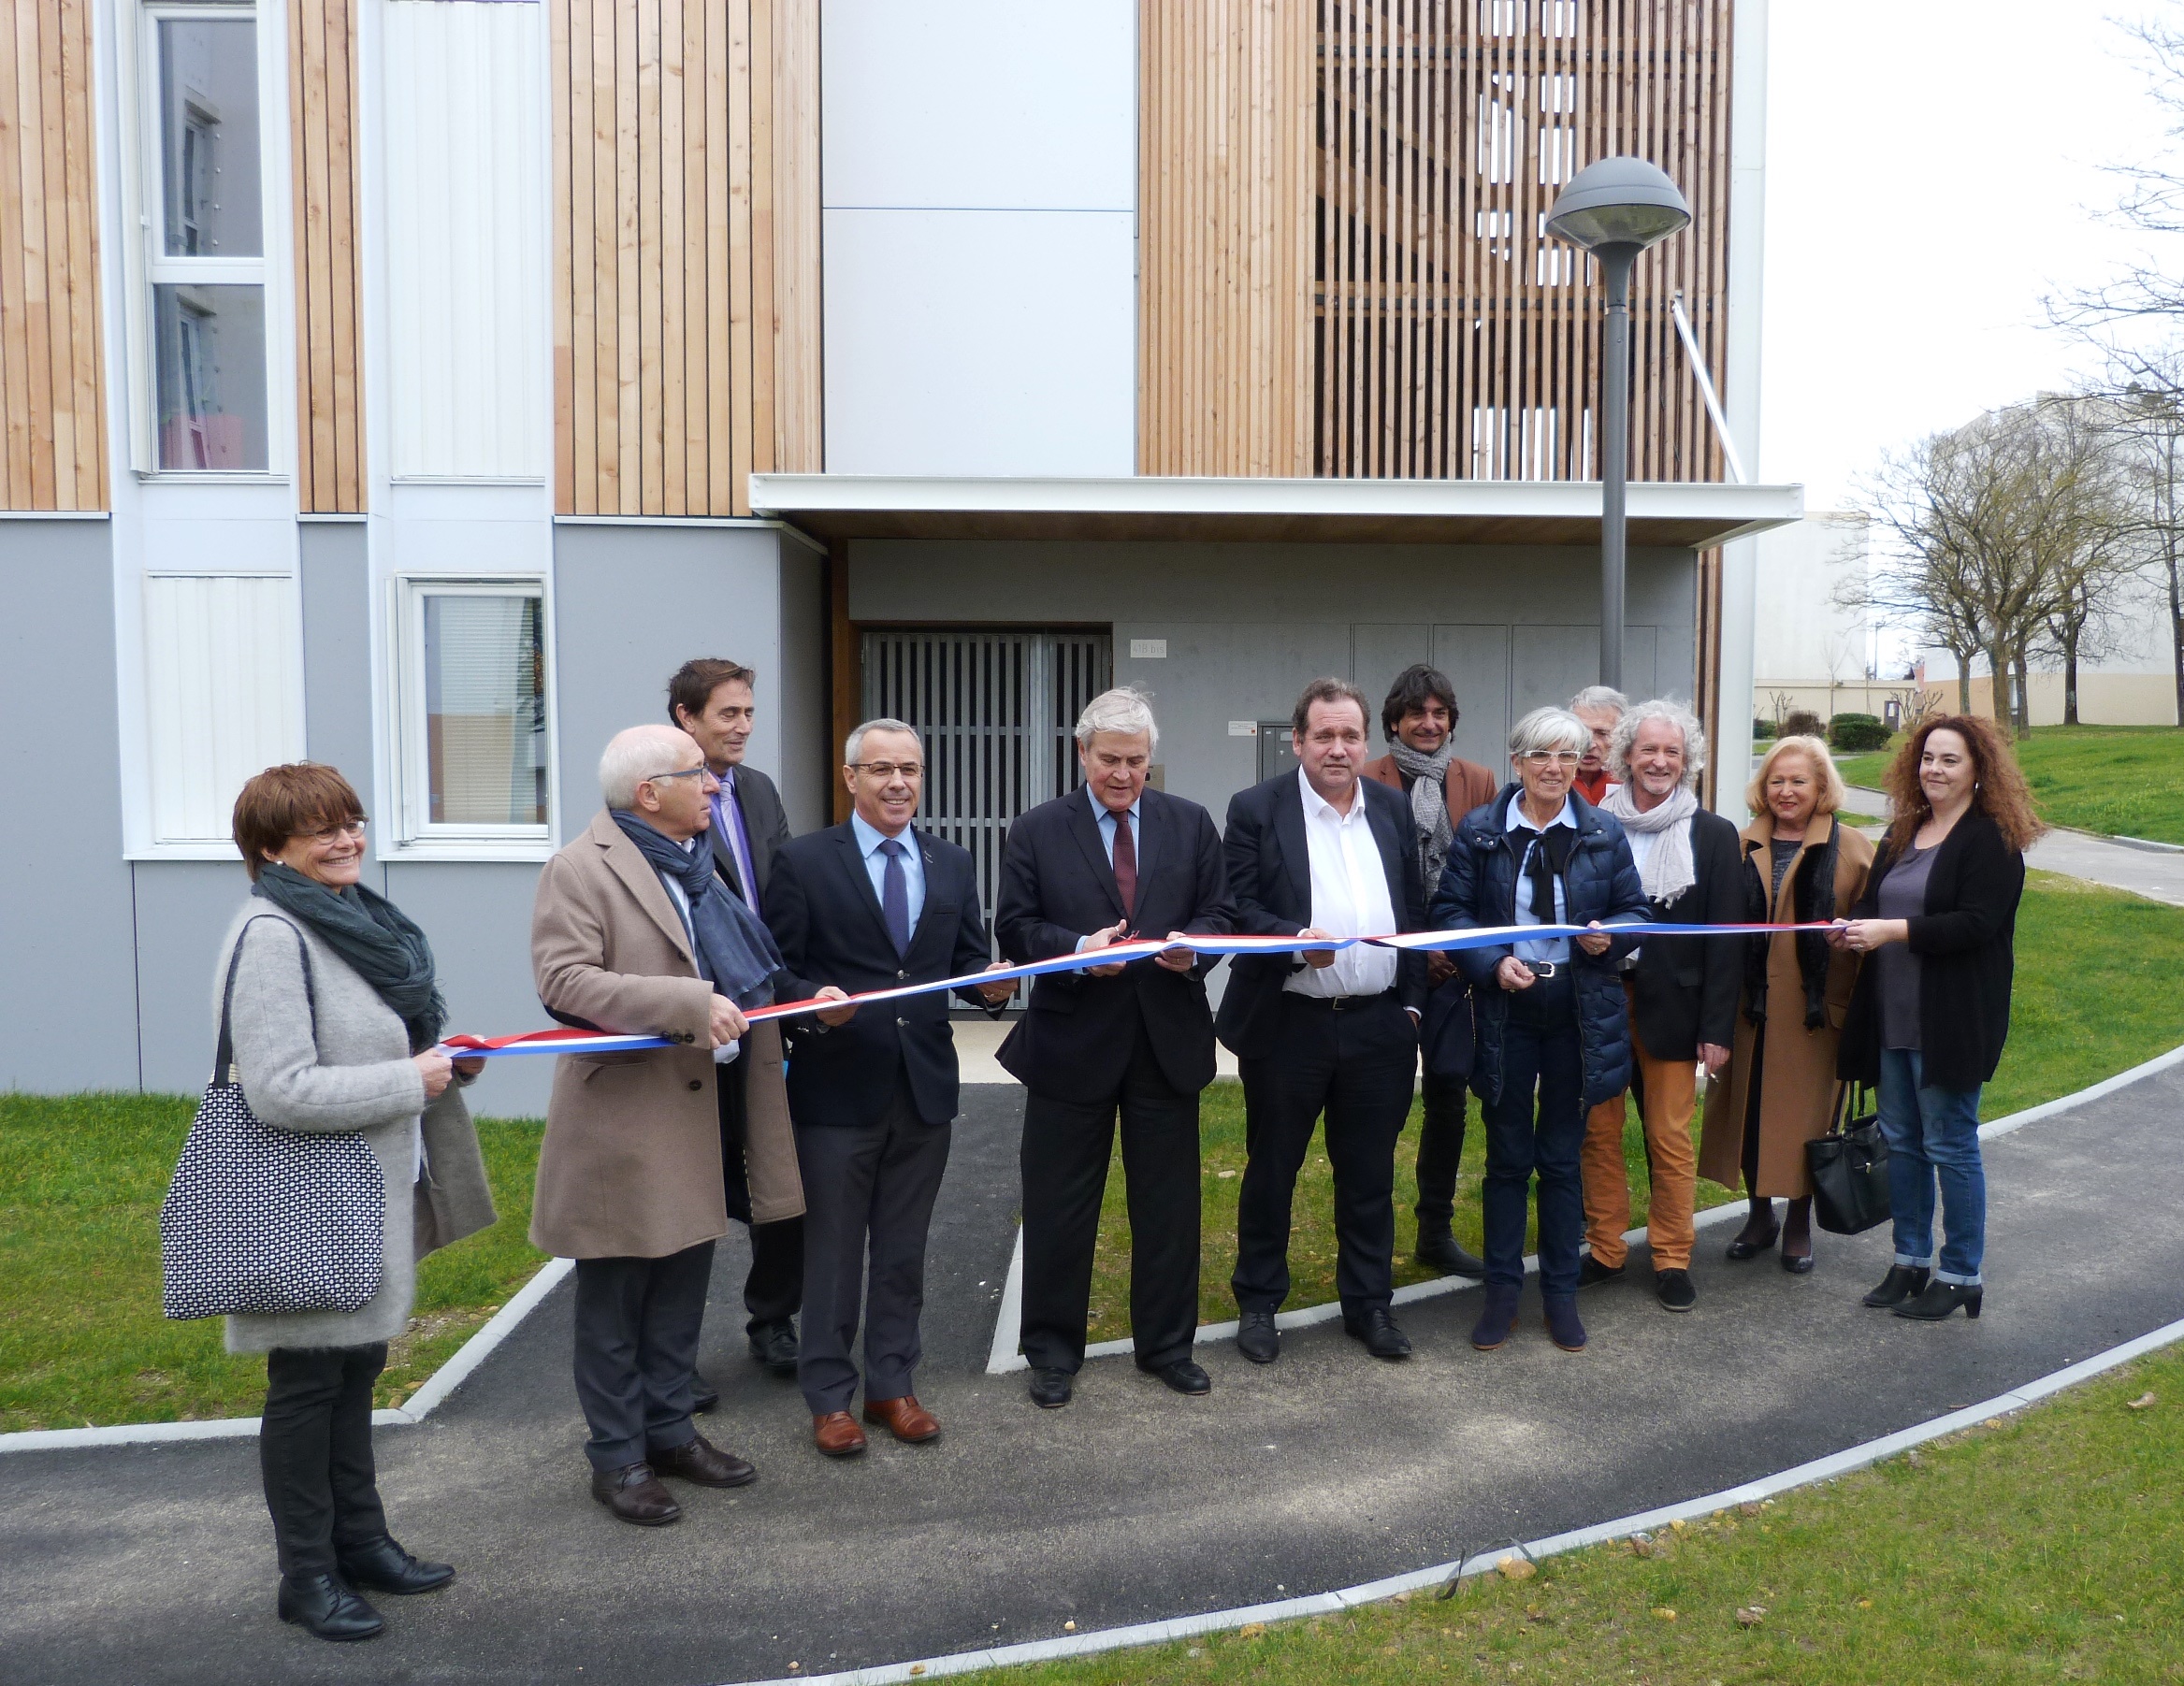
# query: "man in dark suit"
713,700
1081,871
1682,993
872,905
1322,853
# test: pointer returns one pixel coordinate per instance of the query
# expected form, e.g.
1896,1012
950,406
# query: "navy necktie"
894,902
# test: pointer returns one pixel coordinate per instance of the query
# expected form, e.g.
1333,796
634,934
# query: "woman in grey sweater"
334,1017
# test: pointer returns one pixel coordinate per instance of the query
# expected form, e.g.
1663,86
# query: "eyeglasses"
681,772
884,771
1550,758
333,834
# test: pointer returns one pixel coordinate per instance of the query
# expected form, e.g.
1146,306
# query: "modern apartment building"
412,384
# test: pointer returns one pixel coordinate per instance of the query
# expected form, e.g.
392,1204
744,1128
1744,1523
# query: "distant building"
1812,646
2133,682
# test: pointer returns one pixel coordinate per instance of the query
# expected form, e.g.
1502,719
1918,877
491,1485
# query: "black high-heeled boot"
1940,1299
1797,1237
1754,1237
1903,1282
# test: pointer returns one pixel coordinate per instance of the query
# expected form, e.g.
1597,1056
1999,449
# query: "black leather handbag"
1850,1168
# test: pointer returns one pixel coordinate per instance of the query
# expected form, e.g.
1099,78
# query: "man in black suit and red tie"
1322,852
872,905
1082,872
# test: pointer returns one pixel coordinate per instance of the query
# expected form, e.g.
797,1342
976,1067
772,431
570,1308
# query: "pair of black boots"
329,1607
1910,1290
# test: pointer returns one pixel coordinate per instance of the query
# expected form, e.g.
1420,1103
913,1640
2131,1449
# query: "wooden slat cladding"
1228,90
685,284
329,385
53,436
1456,339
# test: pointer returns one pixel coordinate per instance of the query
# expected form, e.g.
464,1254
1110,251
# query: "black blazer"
1271,881
1684,989
1964,942
765,829
827,922
1056,885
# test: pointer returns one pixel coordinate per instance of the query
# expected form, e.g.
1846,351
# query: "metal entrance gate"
997,710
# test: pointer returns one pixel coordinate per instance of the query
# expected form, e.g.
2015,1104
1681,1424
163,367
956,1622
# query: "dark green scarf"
374,935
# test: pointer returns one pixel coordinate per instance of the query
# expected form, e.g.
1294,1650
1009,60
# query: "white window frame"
144,211
413,834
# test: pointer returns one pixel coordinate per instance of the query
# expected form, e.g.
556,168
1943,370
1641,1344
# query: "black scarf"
1548,859
1812,897
374,935
735,953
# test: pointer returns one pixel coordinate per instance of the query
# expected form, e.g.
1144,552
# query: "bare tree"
2091,543
2145,416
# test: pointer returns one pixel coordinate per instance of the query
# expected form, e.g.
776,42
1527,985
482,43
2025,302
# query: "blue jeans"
1934,1134
1537,1126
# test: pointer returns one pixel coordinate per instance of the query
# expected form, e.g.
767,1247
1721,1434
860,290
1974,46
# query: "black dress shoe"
633,1492
386,1568
1440,1249
699,1460
1901,1283
1182,1376
704,1396
1798,1264
1673,1289
1377,1330
1257,1338
1942,1298
1051,1388
1591,1273
775,1346
326,1609
1751,1241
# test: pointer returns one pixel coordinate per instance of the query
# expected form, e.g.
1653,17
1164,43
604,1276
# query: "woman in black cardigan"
1932,1009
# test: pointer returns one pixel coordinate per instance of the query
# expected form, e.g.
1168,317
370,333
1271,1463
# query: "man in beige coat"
629,1174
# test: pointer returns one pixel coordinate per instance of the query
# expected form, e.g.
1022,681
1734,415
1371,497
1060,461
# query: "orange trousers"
1668,1096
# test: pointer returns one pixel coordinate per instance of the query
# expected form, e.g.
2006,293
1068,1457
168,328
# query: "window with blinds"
476,762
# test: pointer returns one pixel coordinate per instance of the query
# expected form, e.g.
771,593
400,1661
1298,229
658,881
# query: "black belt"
1340,1004
1543,969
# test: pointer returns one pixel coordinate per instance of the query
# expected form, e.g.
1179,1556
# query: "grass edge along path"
2111,780
2031,1547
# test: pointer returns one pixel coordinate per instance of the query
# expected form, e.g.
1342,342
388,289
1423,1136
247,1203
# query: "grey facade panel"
67,987
807,760
182,910
477,916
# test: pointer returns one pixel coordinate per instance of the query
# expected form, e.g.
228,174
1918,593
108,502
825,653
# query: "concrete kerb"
1376,1591
437,1386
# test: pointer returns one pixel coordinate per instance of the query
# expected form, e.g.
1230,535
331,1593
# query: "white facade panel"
981,343
223,685
466,245
986,104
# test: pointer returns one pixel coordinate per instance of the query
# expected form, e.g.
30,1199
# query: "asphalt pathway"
1324,1470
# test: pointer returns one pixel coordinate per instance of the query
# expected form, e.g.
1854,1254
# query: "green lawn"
2096,992
2115,780
82,1337
2040,1549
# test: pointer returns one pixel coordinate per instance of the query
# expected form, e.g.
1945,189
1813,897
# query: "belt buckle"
1545,969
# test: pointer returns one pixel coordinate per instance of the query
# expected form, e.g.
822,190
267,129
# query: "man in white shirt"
1323,853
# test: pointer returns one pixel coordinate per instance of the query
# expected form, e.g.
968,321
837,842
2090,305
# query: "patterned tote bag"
261,1221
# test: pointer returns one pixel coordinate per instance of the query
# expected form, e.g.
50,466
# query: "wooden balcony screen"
329,397
53,434
687,251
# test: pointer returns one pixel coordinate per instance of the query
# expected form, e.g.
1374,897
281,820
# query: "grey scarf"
1429,806
1669,870
735,953
374,935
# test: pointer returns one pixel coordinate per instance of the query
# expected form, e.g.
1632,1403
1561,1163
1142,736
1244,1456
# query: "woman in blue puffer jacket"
1552,1033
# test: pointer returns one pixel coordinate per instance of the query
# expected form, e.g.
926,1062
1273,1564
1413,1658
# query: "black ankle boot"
1940,1299
1903,1282
325,1609
1441,1251
1757,1237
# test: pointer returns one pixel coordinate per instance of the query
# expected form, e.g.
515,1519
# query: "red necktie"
1125,864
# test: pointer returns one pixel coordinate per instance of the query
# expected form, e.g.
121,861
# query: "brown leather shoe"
907,1421
837,1435
633,1492
704,1463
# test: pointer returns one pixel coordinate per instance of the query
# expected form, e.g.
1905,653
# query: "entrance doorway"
997,710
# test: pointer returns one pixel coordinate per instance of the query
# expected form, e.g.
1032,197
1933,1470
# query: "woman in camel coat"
1779,1089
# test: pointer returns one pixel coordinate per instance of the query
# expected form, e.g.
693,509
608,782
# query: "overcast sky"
1933,169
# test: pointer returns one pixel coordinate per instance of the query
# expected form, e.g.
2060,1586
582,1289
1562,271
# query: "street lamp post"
1614,209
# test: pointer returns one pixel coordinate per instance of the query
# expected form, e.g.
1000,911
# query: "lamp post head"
1619,202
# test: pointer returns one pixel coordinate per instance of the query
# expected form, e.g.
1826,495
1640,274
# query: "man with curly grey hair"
1682,991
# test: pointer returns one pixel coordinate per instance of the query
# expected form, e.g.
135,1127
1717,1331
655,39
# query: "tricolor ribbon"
1141,948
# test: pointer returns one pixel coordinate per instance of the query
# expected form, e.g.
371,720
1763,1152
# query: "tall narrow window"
476,765
204,228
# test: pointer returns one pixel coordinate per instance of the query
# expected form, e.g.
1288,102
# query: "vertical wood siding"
1448,336
685,200
329,385
52,437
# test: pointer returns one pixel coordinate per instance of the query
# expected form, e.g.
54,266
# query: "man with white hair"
630,933
1111,860
1598,707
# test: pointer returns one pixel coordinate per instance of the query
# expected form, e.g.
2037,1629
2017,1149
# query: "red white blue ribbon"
1141,948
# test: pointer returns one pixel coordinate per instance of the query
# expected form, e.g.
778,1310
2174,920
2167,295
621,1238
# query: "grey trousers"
868,1191
637,1323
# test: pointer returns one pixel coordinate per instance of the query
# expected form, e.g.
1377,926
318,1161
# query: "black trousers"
314,1452
1356,1066
868,1194
637,1323
773,1290
1067,1145
1440,1149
